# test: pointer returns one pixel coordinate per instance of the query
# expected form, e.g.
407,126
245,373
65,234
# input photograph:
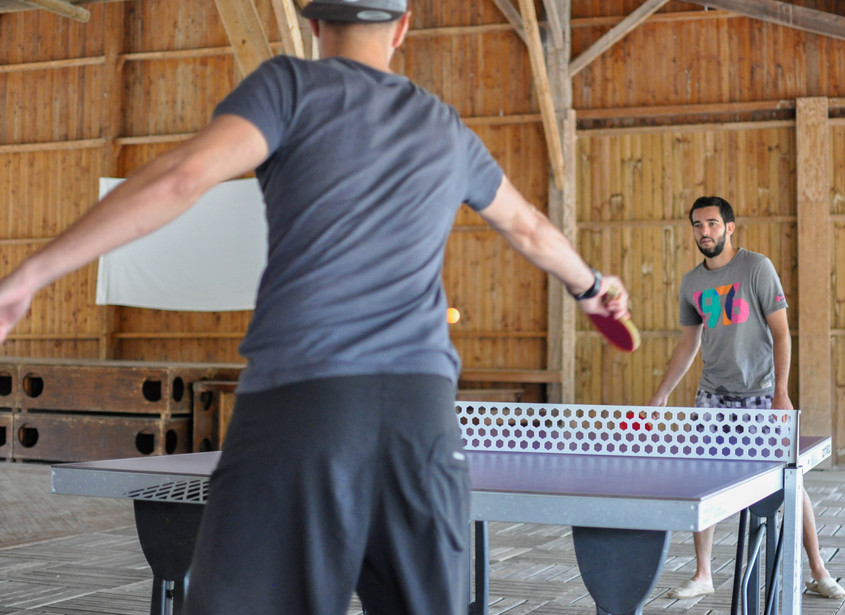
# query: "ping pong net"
641,431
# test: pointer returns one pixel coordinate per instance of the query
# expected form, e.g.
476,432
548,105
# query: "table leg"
740,557
620,567
792,532
478,601
752,594
167,532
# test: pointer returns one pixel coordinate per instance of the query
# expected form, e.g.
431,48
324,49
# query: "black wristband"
593,290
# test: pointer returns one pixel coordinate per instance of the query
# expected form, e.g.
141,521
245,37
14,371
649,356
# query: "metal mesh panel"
194,491
761,435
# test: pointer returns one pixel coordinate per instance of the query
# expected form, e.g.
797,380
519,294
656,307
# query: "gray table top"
608,491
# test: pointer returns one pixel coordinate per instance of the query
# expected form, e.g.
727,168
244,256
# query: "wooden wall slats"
43,192
718,60
479,74
179,350
66,109
157,25
633,191
174,96
60,37
450,14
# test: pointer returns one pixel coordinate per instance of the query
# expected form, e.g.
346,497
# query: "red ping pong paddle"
620,332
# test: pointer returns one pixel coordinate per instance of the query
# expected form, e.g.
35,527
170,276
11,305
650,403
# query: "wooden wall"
690,103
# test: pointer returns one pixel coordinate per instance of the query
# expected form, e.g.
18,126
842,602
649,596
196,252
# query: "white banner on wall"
209,259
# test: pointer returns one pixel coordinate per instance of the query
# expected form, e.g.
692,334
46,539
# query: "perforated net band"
760,435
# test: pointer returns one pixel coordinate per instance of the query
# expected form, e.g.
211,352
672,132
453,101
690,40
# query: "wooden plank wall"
693,102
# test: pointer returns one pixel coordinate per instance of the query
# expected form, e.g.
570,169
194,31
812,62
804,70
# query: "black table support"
167,532
763,519
480,590
620,567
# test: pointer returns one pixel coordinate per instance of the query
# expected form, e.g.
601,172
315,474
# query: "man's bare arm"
534,236
782,351
679,364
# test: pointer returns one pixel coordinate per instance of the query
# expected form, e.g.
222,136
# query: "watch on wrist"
593,290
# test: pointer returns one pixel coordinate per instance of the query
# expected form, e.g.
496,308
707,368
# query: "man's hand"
781,401
612,299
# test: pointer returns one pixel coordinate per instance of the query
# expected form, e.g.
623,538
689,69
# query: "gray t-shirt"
732,304
366,173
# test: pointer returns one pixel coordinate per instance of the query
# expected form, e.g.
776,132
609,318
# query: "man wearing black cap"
343,468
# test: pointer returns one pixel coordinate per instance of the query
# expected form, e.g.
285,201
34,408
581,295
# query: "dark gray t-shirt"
732,303
366,173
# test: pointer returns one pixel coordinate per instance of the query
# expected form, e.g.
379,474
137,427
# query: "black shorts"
337,485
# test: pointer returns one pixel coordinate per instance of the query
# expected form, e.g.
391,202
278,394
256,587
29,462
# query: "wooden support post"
555,21
111,114
562,311
61,7
541,84
814,266
560,352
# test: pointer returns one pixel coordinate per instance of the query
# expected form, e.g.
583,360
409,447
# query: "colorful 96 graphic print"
721,305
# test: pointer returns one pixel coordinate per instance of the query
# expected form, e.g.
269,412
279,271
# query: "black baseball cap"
362,11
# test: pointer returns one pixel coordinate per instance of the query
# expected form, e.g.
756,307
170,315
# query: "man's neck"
374,58
358,43
717,262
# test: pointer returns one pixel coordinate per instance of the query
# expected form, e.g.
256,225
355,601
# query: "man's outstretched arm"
534,236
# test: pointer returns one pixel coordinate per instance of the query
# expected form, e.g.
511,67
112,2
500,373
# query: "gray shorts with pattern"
705,399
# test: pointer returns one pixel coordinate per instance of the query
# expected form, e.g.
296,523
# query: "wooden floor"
80,556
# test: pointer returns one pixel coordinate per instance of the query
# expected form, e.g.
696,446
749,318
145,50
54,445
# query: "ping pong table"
624,477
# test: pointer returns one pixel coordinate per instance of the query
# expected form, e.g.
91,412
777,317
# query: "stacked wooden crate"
214,401
77,410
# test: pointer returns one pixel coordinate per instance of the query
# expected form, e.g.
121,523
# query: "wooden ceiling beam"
615,34
243,27
513,16
289,31
784,14
61,7
544,92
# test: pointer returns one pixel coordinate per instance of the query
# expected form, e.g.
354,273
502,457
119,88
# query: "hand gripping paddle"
621,332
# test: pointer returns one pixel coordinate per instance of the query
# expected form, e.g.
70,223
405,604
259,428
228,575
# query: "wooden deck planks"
95,565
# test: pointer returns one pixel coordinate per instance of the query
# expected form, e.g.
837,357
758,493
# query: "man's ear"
403,24
730,227
315,27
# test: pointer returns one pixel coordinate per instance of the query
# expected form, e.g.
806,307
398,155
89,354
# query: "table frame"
168,508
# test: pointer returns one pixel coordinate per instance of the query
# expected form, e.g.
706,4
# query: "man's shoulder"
694,272
750,256
755,263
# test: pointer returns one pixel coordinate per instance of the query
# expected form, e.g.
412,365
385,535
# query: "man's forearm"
679,364
782,350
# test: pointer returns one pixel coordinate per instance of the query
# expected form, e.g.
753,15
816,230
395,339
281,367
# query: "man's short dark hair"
725,208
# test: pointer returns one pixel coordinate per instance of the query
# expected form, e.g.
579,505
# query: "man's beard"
717,248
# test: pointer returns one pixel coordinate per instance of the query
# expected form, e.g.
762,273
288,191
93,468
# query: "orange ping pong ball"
452,315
